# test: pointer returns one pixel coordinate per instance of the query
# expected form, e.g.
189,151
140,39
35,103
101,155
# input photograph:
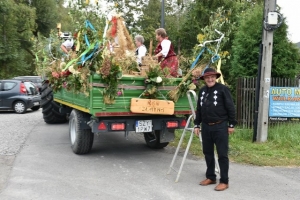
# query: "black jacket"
215,104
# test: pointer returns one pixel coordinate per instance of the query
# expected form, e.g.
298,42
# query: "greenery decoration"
110,73
155,78
189,82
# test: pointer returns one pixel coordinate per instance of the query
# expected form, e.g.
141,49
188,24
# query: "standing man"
216,113
141,50
165,53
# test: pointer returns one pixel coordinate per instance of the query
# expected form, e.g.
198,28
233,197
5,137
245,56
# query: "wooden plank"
152,106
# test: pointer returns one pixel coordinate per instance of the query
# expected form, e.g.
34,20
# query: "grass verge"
281,149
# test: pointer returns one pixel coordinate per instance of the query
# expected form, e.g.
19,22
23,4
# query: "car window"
31,89
8,85
38,80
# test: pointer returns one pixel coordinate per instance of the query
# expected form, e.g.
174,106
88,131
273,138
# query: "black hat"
208,72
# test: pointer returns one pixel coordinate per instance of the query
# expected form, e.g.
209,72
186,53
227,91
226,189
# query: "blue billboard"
284,102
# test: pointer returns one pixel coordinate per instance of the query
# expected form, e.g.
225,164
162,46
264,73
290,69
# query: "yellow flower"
200,37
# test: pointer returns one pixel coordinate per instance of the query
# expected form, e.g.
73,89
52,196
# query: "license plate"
142,126
36,103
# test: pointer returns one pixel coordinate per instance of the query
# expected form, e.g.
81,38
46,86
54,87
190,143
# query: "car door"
8,93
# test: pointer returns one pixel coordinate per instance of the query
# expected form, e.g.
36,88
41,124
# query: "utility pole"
162,19
265,80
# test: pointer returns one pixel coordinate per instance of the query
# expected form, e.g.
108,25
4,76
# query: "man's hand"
197,131
230,130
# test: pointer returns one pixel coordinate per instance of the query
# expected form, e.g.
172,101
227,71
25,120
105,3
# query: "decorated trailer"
157,118
99,89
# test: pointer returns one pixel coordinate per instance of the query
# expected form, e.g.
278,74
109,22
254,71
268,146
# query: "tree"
47,15
17,23
285,61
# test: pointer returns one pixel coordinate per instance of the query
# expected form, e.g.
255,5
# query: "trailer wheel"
50,108
81,139
153,140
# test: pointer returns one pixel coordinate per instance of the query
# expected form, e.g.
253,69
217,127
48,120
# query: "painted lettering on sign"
283,98
152,109
285,91
153,103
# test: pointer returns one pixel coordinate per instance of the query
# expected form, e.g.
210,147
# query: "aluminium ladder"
188,128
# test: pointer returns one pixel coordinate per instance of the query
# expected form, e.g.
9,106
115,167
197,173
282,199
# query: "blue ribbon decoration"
213,59
84,58
198,57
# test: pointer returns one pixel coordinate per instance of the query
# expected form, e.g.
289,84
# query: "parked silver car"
19,95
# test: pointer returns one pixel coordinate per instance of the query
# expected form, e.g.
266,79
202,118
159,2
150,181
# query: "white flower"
73,71
158,79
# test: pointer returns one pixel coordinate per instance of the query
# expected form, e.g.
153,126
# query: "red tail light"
23,89
183,123
172,124
102,126
117,126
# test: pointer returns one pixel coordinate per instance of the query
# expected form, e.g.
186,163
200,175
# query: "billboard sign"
284,102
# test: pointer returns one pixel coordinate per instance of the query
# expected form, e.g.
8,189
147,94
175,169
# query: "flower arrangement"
155,78
110,73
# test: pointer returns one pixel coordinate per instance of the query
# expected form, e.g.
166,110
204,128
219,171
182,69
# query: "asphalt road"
46,168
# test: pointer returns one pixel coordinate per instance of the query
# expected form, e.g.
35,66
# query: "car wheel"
20,107
35,108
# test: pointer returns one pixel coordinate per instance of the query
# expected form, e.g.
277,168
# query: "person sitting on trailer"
141,49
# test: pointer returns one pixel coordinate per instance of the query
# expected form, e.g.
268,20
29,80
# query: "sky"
291,11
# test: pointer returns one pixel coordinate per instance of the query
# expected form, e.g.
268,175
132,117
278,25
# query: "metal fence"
245,97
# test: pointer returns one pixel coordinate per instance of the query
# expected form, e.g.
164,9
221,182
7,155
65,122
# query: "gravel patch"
15,128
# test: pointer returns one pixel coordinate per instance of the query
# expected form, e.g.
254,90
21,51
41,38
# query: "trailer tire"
50,109
153,140
81,139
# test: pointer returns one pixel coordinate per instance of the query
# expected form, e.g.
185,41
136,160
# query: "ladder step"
189,129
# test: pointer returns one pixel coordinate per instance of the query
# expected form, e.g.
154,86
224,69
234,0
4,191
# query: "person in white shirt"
66,46
141,49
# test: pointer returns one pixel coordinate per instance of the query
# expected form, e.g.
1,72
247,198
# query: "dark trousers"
216,135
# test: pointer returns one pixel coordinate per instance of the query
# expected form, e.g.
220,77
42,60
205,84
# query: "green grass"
281,149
